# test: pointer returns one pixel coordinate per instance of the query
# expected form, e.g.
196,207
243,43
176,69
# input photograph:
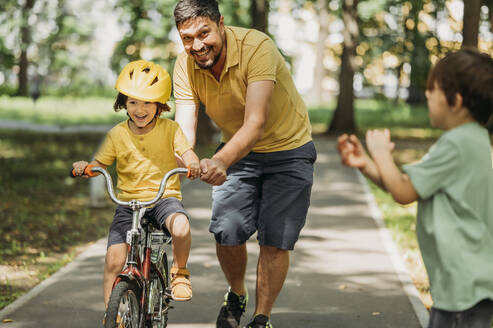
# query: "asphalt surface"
344,270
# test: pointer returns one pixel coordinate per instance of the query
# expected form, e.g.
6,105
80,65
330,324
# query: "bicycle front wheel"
123,307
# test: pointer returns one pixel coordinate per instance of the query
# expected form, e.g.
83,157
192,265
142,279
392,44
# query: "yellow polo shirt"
251,56
143,160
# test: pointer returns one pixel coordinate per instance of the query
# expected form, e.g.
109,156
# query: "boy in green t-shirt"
453,184
144,148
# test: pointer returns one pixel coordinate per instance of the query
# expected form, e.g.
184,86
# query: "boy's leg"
116,256
170,215
179,228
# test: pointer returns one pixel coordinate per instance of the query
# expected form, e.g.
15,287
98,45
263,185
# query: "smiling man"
262,172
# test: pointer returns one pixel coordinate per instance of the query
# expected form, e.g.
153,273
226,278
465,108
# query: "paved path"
343,271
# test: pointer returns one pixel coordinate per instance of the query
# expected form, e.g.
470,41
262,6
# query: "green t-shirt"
454,181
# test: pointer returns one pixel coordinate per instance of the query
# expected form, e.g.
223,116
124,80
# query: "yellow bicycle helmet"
145,81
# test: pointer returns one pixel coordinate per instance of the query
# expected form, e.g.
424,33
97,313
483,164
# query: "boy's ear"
458,102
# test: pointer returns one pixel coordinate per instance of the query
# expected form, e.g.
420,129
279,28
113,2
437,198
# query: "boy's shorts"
264,192
478,316
122,221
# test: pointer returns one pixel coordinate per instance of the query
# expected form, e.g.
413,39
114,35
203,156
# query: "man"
262,172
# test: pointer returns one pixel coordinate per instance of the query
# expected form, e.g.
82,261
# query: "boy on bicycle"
453,185
144,147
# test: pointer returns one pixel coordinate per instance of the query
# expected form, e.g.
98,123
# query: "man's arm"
258,99
186,116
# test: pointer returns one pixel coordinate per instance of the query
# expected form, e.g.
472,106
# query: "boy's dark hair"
186,9
121,103
470,74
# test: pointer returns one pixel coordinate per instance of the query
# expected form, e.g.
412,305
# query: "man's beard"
214,61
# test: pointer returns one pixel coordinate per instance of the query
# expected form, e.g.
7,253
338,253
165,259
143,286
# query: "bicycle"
141,294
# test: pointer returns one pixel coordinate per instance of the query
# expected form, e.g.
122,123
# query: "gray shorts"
122,221
264,192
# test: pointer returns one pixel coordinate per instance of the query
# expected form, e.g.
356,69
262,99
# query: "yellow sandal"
181,287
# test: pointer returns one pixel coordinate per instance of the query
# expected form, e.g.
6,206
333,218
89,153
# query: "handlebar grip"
87,171
189,173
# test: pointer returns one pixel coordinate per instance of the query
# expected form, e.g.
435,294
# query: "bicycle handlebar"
91,169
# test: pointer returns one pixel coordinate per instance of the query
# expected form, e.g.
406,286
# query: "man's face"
203,39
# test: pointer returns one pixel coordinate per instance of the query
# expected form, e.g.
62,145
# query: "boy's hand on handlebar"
193,170
79,168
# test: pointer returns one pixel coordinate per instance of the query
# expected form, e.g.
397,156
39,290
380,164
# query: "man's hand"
351,151
213,171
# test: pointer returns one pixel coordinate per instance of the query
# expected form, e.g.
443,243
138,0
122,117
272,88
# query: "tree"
323,31
420,57
149,23
259,12
343,119
470,26
26,8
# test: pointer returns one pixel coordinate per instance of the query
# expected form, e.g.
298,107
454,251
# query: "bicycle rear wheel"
123,307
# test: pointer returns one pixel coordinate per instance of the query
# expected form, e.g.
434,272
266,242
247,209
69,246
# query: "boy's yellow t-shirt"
143,160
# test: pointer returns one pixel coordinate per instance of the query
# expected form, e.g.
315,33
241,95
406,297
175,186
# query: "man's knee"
272,252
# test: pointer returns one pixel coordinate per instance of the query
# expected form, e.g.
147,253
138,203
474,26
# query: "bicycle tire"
124,303
161,290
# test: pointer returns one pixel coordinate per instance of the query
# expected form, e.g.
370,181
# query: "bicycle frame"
139,264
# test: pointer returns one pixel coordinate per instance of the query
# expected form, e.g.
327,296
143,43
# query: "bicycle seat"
153,227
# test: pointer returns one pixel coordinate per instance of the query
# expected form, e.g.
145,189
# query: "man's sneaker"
260,321
231,311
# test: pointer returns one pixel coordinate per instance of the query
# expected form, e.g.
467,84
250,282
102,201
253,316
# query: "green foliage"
378,114
42,207
148,26
236,12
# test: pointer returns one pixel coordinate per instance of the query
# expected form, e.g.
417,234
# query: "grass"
403,120
62,111
44,212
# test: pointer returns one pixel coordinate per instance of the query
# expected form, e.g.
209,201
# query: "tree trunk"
343,119
259,12
23,87
323,31
470,29
420,59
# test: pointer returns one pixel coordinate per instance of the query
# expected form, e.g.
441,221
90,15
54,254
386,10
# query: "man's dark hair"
121,103
186,9
469,73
